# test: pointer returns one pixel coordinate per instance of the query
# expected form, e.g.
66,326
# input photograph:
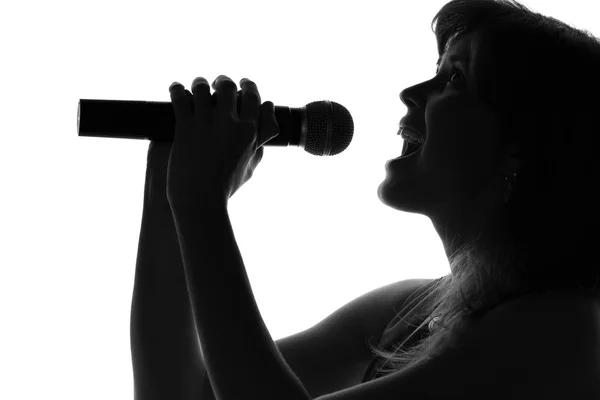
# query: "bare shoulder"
332,355
384,303
540,347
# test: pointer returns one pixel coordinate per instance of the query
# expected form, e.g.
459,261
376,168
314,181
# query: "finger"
259,156
250,108
226,92
268,128
256,159
182,106
202,99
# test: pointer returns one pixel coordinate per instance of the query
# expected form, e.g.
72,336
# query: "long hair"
540,78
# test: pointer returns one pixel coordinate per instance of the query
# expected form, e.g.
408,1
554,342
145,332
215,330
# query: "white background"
312,230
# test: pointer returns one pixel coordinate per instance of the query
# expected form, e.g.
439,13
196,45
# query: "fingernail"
174,84
198,80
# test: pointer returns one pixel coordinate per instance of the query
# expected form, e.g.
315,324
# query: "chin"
403,200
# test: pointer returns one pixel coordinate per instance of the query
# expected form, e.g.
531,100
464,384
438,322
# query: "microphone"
321,128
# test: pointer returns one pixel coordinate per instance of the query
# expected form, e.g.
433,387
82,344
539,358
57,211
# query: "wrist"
194,205
191,218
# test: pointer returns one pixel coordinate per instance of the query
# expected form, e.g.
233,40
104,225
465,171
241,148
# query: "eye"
453,72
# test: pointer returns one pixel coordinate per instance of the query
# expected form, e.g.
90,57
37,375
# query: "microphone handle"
155,120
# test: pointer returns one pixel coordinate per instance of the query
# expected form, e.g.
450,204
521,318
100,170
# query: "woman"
499,175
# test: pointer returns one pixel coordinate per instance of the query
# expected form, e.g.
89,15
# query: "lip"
403,159
405,125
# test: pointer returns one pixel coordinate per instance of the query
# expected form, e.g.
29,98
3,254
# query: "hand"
215,150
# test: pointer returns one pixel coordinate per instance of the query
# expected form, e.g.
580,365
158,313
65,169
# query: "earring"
433,322
510,186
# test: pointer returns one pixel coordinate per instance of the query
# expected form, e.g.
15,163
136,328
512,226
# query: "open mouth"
410,148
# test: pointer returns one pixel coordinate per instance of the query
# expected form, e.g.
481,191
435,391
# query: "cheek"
462,139
460,158
477,163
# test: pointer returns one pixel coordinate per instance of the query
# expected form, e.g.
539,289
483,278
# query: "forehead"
460,48
460,44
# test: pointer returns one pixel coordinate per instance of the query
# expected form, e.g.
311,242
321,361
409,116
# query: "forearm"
166,356
241,358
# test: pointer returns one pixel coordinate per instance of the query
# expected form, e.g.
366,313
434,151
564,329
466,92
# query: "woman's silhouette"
507,175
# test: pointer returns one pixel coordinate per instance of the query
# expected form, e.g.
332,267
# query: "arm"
242,360
166,356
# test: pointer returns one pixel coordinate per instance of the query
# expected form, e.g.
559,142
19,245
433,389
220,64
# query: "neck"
461,226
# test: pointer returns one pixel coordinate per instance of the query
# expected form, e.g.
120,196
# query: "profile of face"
457,175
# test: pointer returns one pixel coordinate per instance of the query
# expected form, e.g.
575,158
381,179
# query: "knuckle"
267,106
252,96
199,81
228,85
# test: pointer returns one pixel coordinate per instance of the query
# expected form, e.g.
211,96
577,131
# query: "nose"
406,98
411,98
416,96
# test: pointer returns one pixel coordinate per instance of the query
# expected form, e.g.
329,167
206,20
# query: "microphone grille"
329,128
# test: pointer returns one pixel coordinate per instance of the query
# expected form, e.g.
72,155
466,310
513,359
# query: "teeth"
411,136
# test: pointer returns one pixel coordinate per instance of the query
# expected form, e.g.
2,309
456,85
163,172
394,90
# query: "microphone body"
321,128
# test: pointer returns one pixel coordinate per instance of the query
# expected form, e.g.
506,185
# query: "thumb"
269,128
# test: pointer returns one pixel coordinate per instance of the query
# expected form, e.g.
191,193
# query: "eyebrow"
457,59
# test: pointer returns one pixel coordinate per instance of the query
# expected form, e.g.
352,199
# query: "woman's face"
458,173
